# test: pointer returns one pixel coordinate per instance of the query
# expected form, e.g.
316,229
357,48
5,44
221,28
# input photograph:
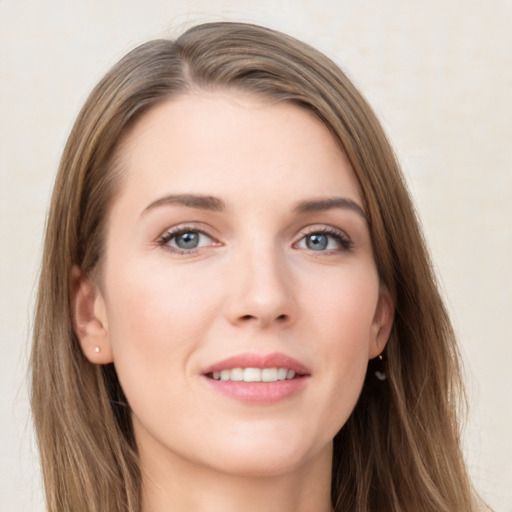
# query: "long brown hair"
399,450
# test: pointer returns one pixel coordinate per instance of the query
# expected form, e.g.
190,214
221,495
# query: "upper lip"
251,360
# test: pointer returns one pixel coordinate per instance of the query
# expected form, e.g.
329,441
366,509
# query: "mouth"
256,378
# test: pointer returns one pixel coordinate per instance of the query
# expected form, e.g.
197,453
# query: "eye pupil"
188,240
317,242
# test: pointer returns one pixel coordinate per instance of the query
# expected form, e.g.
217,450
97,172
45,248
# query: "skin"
253,285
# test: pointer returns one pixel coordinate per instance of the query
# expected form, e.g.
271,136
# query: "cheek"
156,321
342,317
342,305
156,302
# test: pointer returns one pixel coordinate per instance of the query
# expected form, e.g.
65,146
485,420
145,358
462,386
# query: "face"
239,298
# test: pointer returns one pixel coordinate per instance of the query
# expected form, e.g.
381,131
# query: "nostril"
281,318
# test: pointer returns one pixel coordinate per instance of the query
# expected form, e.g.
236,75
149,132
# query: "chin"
268,457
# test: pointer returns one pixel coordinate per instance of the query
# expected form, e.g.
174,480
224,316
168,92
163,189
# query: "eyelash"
164,240
341,238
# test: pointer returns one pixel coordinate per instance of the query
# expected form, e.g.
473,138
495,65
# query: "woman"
236,307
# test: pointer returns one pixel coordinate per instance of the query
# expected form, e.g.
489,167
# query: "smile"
254,374
257,378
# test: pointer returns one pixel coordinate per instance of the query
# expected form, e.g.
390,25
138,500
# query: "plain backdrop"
439,75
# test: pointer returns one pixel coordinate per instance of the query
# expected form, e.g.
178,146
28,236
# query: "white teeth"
237,374
281,373
254,374
269,374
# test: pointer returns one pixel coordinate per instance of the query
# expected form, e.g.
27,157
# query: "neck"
172,484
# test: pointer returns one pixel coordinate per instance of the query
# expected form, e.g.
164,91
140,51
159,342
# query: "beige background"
439,75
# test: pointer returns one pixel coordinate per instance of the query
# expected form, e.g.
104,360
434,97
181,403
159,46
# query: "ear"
90,318
382,323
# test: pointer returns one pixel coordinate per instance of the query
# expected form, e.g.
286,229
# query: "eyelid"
328,230
164,239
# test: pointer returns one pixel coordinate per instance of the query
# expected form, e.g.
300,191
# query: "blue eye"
189,240
325,240
185,240
317,242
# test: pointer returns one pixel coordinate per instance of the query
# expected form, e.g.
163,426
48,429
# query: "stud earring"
97,349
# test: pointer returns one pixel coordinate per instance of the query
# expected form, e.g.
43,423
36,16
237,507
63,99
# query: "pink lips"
274,360
258,392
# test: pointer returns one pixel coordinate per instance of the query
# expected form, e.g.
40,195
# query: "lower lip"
259,392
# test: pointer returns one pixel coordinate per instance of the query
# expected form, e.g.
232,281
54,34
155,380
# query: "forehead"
233,144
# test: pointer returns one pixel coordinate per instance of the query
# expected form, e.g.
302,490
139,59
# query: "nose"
261,291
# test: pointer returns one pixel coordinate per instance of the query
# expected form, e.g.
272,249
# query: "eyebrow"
201,202
317,205
215,204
